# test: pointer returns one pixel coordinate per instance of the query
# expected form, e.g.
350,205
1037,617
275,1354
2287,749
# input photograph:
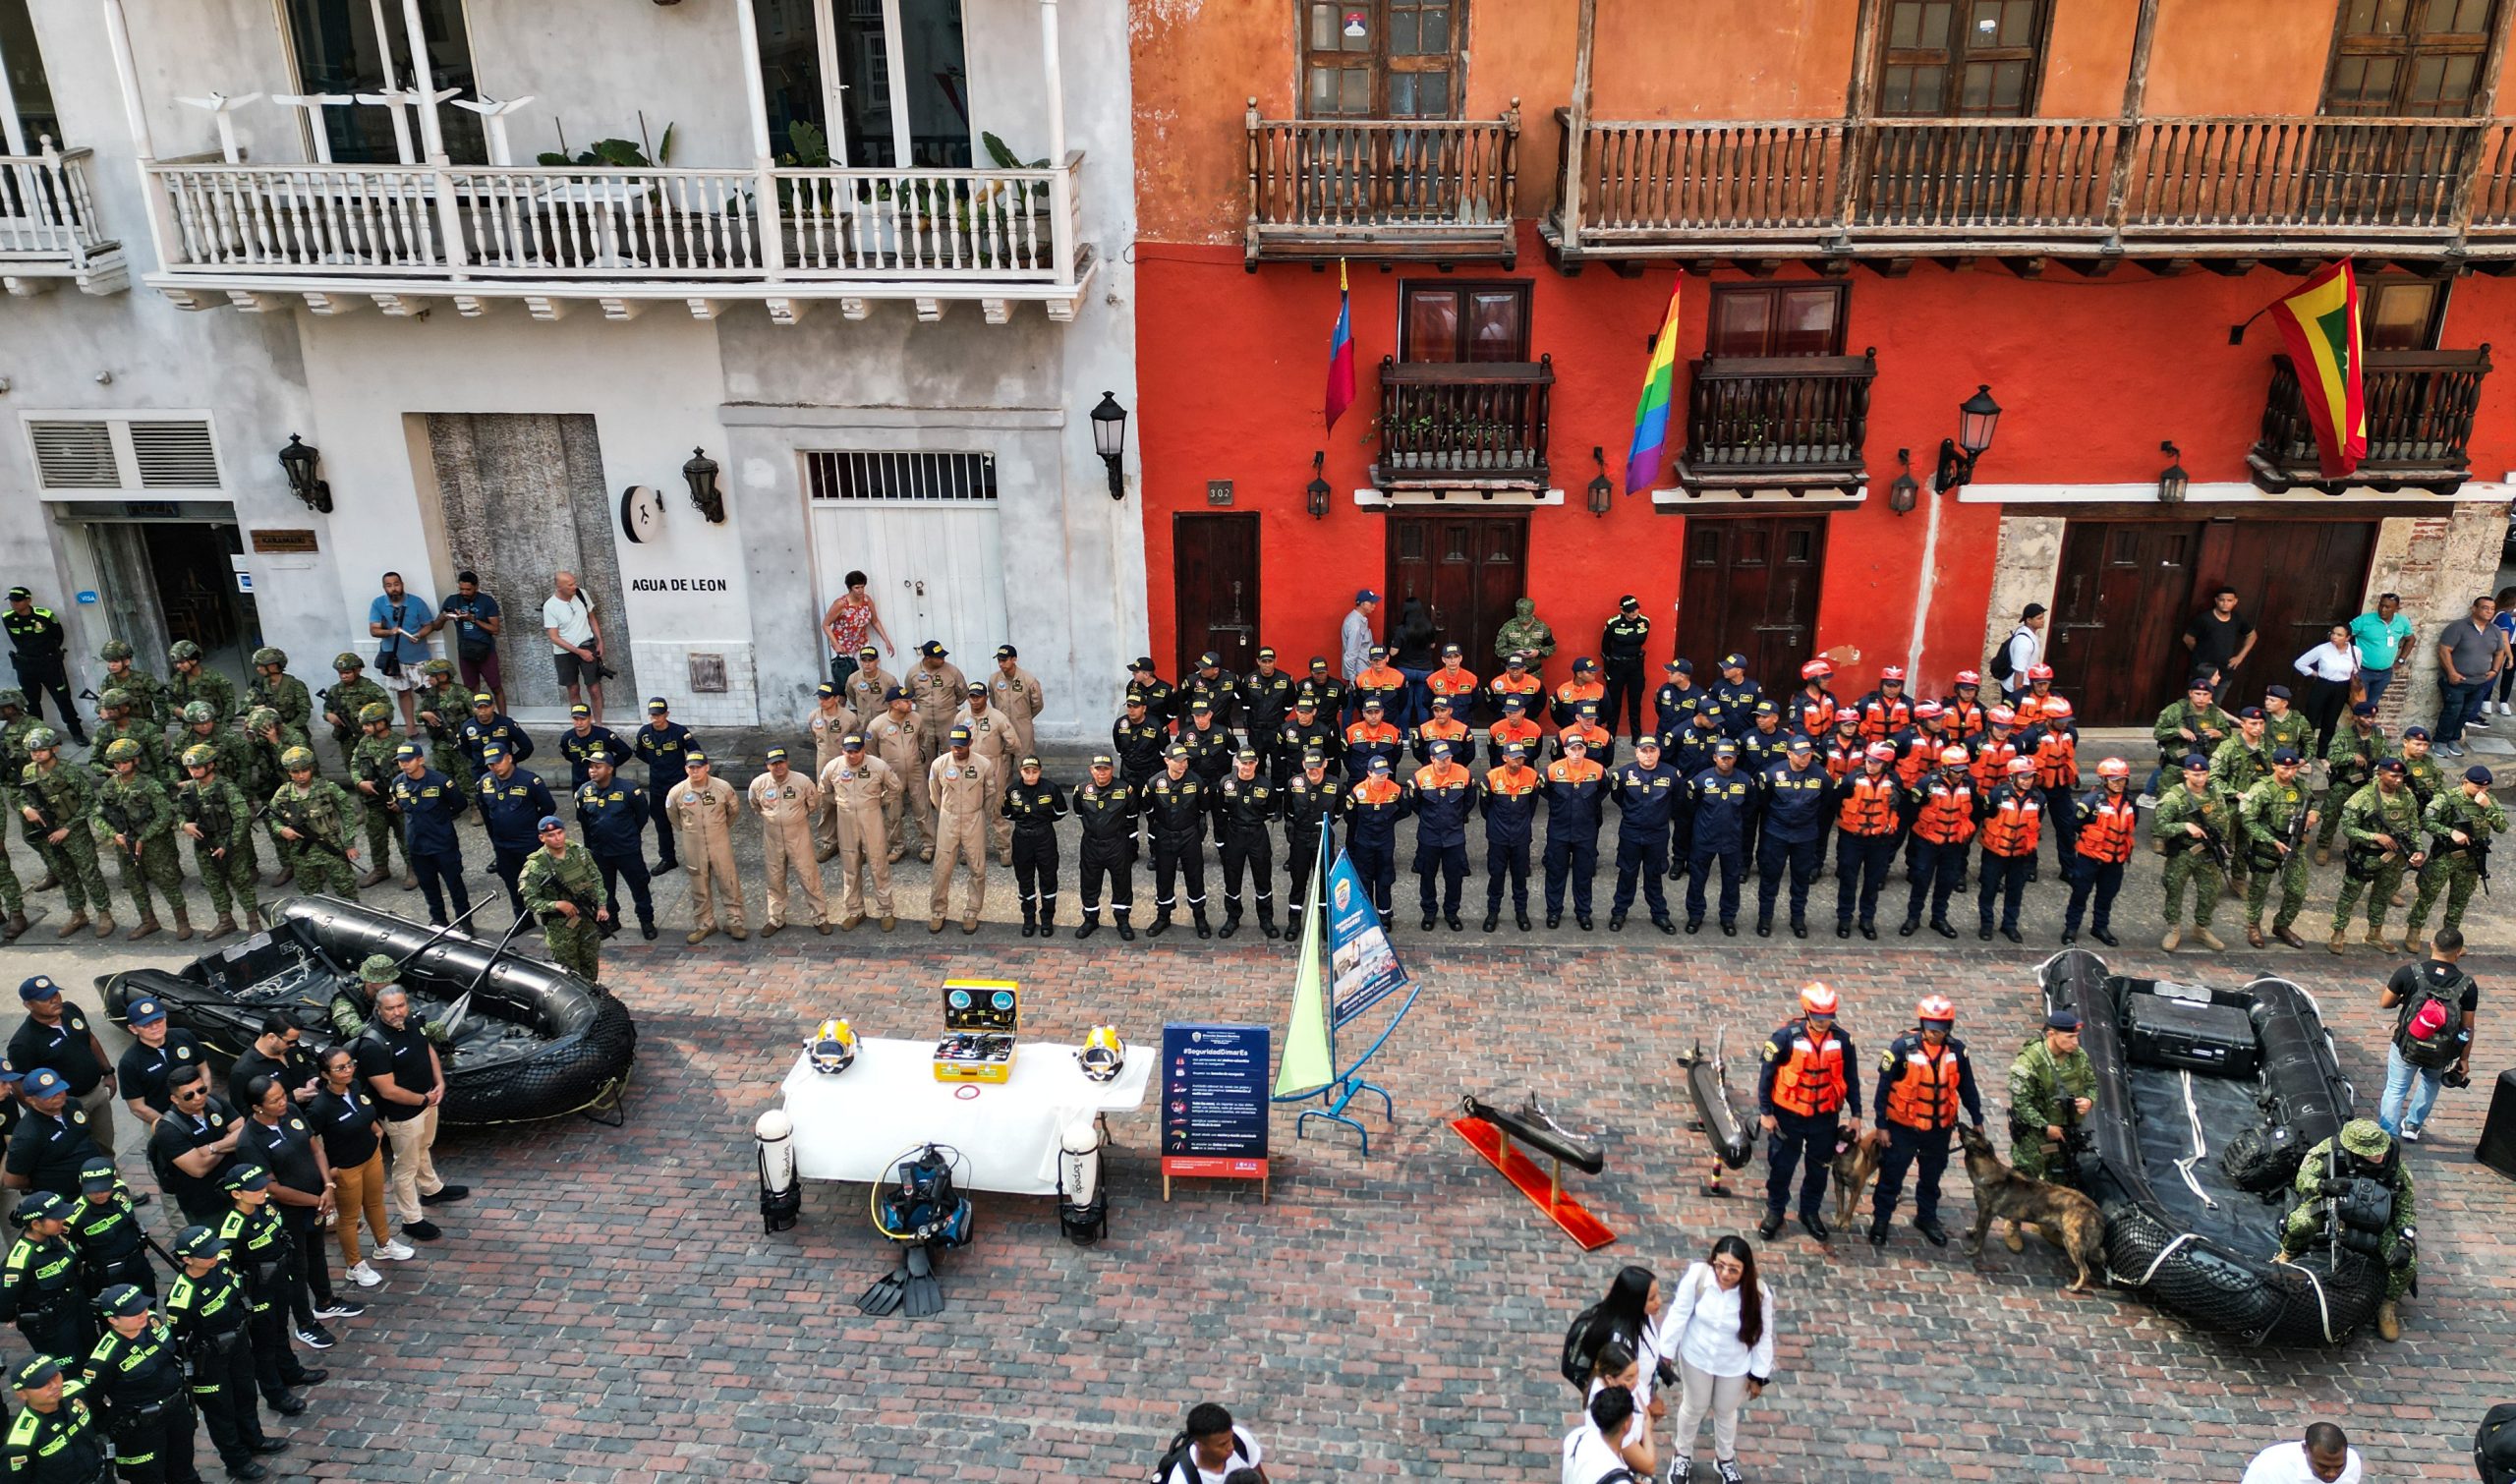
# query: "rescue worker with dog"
1802,1093
1923,1078
2362,1152
2052,1089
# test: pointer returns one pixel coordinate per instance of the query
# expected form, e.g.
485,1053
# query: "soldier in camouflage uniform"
114,723
270,740
2194,724
316,815
553,873
219,822
273,686
2052,1089
372,770
145,692
2348,766
2276,840
2284,725
15,724
188,680
350,694
2362,1150
13,765
203,726
2237,764
2185,814
63,794
443,708
2420,768
2381,829
136,820
2461,821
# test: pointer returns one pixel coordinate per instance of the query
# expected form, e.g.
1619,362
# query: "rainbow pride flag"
2319,324
1650,450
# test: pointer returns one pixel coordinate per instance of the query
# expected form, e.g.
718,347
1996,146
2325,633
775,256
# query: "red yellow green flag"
2319,324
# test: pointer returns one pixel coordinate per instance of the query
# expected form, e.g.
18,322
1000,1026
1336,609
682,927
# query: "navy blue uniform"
665,750
1920,1133
1794,827
1758,751
1674,704
1646,799
1309,810
1737,704
1298,738
1689,752
1442,804
581,747
474,734
612,820
1575,791
1373,807
513,807
429,804
1508,799
1724,809
1242,807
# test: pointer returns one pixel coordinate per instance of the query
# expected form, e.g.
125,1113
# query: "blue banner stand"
1347,1085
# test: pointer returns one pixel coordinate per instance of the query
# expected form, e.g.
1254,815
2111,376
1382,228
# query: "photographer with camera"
576,642
2433,1002
2354,1193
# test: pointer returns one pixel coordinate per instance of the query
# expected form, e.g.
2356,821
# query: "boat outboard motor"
1083,1206
782,1195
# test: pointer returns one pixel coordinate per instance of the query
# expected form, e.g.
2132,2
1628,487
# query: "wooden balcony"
1777,423
1464,425
1417,190
405,235
2420,408
2085,190
48,231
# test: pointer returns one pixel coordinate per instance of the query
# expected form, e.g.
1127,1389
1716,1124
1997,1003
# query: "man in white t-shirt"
2322,1456
576,642
1217,1446
1588,1455
2025,646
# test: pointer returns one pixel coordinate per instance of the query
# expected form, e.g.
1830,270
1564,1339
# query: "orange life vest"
1450,682
2108,833
1843,759
1870,805
1809,1079
2057,762
1880,716
1816,716
1921,754
2016,824
2029,709
1960,719
1947,817
1991,761
1923,1095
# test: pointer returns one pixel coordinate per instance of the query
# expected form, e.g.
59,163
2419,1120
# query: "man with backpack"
2433,1002
1210,1449
1589,1454
2025,645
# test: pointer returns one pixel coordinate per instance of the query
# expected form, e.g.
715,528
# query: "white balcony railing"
930,229
45,213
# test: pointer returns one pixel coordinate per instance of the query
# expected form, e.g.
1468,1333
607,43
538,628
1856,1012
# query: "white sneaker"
2410,1133
395,1251
364,1275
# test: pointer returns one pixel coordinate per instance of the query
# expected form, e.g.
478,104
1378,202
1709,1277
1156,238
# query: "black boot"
1202,930
1230,924
1030,921
1493,919
1126,934
1162,924
1615,922
1521,919
1091,923
1267,924
1764,927
1909,926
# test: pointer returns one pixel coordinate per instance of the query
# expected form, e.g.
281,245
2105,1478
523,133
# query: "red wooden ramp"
1544,1191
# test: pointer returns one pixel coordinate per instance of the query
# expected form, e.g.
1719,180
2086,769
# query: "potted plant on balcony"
644,222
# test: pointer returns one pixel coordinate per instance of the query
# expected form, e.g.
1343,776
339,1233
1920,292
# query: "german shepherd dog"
1855,1165
2060,1215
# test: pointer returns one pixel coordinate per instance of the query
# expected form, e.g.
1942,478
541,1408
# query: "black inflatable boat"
2206,1100
531,1042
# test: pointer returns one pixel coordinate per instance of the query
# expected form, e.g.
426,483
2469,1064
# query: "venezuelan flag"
1651,414
2319,324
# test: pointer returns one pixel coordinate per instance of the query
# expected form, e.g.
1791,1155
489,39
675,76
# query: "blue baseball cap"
10,1075
492,752
43,1082
144,1012
1366,594
37,987
407,750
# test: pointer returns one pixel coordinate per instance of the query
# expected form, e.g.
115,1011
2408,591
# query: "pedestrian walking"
2435,1002
400,622
611,817
959,786
1209,1449
788,802
1719,1328
2469,654
568,620
850,617
563,890
703,810
476,621
2020,652
1801,1096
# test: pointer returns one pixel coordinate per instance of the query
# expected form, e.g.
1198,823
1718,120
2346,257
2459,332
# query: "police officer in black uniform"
210,1313
1645,792
1243,803
1215,686
1035,804
611,821
429,803
1107,809
143,1070
135,1378
51,1144
1621,648
1310,802
1679,698
581,747
1161,698
1734,695
1208,741
263,1248
38,648
53,1440
1307,730
1266,700
488,728
1174,810
1327,694
1136,741
664,746
104,1226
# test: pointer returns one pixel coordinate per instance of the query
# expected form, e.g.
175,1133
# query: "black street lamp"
1905,493
701,475
1977,418
1109,440
1602,493
2173,482
299,460
1316,496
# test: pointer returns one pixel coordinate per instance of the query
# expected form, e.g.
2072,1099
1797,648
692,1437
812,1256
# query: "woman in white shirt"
1719,1330
2328,668
1618,1367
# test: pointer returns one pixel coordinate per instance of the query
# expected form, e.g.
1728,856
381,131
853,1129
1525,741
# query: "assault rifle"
2215,845
342,730
292,815
194,805
586,909
118,820
2475,848
376,771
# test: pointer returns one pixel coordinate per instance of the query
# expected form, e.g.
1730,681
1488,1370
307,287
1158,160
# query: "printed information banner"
1213,1101
1362,967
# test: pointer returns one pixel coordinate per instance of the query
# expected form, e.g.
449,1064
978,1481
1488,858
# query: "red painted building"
2072,209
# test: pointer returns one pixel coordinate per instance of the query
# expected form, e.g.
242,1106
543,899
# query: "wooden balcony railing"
46,211
1777,420
1429,188
2162,187
2420,408
1463,424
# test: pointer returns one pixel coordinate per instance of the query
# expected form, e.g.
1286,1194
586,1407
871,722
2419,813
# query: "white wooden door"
932,566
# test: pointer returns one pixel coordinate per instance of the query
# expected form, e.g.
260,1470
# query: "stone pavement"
606,1307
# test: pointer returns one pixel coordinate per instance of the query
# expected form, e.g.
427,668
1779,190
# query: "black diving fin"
923,1295
885,1294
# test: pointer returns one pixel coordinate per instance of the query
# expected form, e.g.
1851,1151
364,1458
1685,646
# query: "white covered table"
852,1126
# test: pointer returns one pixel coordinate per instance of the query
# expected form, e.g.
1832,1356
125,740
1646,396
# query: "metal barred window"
918,478
124,453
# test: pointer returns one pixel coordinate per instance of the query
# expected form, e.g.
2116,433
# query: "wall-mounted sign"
89,595
708,674
1218,491
642,513
244,582
1354,24
271,541
681,585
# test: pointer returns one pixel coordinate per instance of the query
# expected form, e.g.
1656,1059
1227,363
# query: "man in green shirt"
2381,822
2052,1089
188,680
2379,636
351,692
56,799
372,770
219,822
145,693
2284,725
136,820
2193,724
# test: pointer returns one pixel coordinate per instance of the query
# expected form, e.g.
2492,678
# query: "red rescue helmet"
1936,1008
1954,757
1847,718
1880,751
1816,998
2018,767
2114,768
2001,715
1891,672
1969,677
1930,709
2056,708
2035,672
1816,670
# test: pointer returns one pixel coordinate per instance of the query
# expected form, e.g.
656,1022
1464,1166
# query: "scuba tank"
782,1195
1083,1207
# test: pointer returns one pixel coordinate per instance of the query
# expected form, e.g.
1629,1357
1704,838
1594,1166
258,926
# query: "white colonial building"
514,267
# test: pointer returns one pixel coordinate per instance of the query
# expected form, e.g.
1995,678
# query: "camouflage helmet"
111,697
13,697
122,750
197,711
181,651
269,654
373,711
296,758
378,968
42,738
201,755
261,717
348,663
116,648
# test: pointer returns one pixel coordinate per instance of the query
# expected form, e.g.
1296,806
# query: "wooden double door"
1213,575
1468,570
1749,585
2127,588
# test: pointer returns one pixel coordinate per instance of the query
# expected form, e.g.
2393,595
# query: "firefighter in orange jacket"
1943,805
1923,1079
1886,709
2109,824
1803,1092
1814,709
2012,822
1966,714
2054,743
1868,817
1845,751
